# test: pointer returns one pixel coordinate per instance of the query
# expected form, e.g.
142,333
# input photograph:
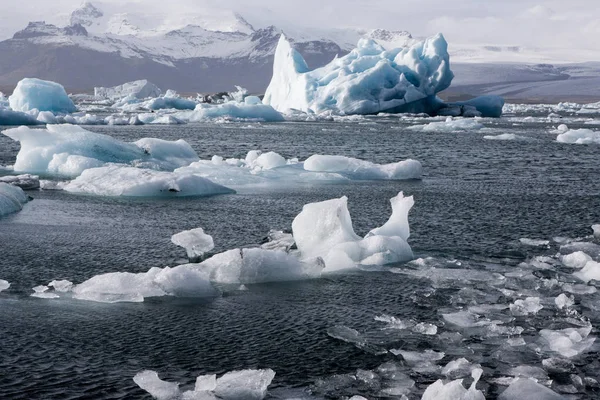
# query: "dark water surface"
476,199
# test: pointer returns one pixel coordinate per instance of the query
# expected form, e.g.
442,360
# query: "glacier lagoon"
470,294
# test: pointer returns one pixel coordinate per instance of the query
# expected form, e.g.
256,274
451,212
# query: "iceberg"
483,106
251,109
195,242
68,150
115,287
325,230
25,182
12,199
368,80
137,89
32,93
10,117
115,180
579,136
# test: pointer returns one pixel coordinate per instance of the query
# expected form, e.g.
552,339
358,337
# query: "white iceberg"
137,89
368,80
115,180
67,150
12,199
4,285
579,136
454,390
449,125
325,230
115,287
251,109
195,242
32,93
25,181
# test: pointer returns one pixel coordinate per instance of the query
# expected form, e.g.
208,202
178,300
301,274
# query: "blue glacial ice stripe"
32,93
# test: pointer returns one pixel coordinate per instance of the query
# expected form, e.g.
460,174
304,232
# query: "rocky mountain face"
98,49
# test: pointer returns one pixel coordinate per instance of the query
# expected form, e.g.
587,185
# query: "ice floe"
4,285
37,94
579,136
249,384
195,242
12,199
569,342
454,390
505,136
67,150
449,125
524,388
115,180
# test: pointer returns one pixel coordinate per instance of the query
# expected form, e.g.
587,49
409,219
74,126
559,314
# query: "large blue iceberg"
33,93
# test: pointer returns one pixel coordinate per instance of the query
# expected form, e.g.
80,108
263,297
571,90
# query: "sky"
534,23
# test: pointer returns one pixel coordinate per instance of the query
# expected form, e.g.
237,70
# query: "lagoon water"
477,198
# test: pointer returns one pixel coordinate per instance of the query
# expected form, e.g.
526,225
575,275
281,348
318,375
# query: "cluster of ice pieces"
449,125
249,384
325,242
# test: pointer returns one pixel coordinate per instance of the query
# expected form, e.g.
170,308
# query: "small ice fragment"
244,385
568,342
596,229
195,242
206,383
159,389
454,390
458,368
4,285
531,305
564,301
393,322
425,328
576,260
61,286
40,292
534,242
528,371
579,288
528,389
591,271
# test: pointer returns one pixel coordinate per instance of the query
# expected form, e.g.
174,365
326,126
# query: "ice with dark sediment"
25,181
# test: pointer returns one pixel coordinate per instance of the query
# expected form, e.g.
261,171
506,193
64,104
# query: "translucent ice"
576,260
4,285
449,125
524,388
68,150
591,271
568,342
454,390
61,285
563,301
42,293
530,305
534,242
10,117
32,93
159,389
244,385
366,81
117,180
195,242
12,199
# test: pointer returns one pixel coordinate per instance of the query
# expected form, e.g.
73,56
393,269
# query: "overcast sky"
542,23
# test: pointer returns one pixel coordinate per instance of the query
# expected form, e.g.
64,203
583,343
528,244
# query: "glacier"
12,199
33,93
67,150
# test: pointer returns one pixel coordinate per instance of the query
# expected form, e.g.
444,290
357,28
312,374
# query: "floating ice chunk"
61,286
489,106
250,110
524,388
278,240
579,136
195,242
137,89
368,80
42,293
12,199
425,328
592,249
531,305
25,182
420,361
4,285
359,169
579,288
32,93
244,385
576,260
171,102
465,319
182,281
563,301
117,180
534,242
159,389
325,230
449,125
69,149
528,371
454,390
459,368
568,342
206,383
10,117
397,224
596,229
505,136
245,266
591,271
268,160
